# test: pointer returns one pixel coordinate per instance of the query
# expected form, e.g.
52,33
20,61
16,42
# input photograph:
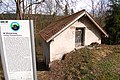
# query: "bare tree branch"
32,4
58,4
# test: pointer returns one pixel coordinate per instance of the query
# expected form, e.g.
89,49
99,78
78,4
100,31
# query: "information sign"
17,49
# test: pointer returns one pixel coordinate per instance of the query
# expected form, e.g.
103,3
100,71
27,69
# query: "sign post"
17,49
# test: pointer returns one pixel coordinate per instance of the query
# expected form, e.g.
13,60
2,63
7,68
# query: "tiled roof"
56,26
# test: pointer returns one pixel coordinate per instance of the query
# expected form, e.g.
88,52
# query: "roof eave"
51,38
106,35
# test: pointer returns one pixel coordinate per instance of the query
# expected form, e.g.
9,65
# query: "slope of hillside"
101,63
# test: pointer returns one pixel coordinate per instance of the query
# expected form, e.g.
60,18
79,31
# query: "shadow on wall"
90,26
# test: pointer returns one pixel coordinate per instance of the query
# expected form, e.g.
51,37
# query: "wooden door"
78,37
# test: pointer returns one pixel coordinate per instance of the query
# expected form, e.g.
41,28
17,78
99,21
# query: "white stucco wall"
79,24
92,33
92,37
63,43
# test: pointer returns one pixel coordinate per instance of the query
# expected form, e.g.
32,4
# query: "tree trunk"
18,10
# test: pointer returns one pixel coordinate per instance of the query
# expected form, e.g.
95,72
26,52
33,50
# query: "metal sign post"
18,49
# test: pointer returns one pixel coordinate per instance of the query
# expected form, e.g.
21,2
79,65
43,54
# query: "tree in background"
100,10
66,10
113,22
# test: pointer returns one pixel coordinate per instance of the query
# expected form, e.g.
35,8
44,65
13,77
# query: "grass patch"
88,64
84,64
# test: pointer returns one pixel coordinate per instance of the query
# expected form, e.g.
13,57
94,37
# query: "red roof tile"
56,26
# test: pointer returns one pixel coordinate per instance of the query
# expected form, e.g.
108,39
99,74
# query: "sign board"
17,49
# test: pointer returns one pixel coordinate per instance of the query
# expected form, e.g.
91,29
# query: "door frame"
82,36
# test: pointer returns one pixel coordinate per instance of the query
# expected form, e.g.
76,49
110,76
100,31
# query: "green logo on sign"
15,26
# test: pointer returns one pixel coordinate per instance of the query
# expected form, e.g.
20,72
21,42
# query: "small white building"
66,34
